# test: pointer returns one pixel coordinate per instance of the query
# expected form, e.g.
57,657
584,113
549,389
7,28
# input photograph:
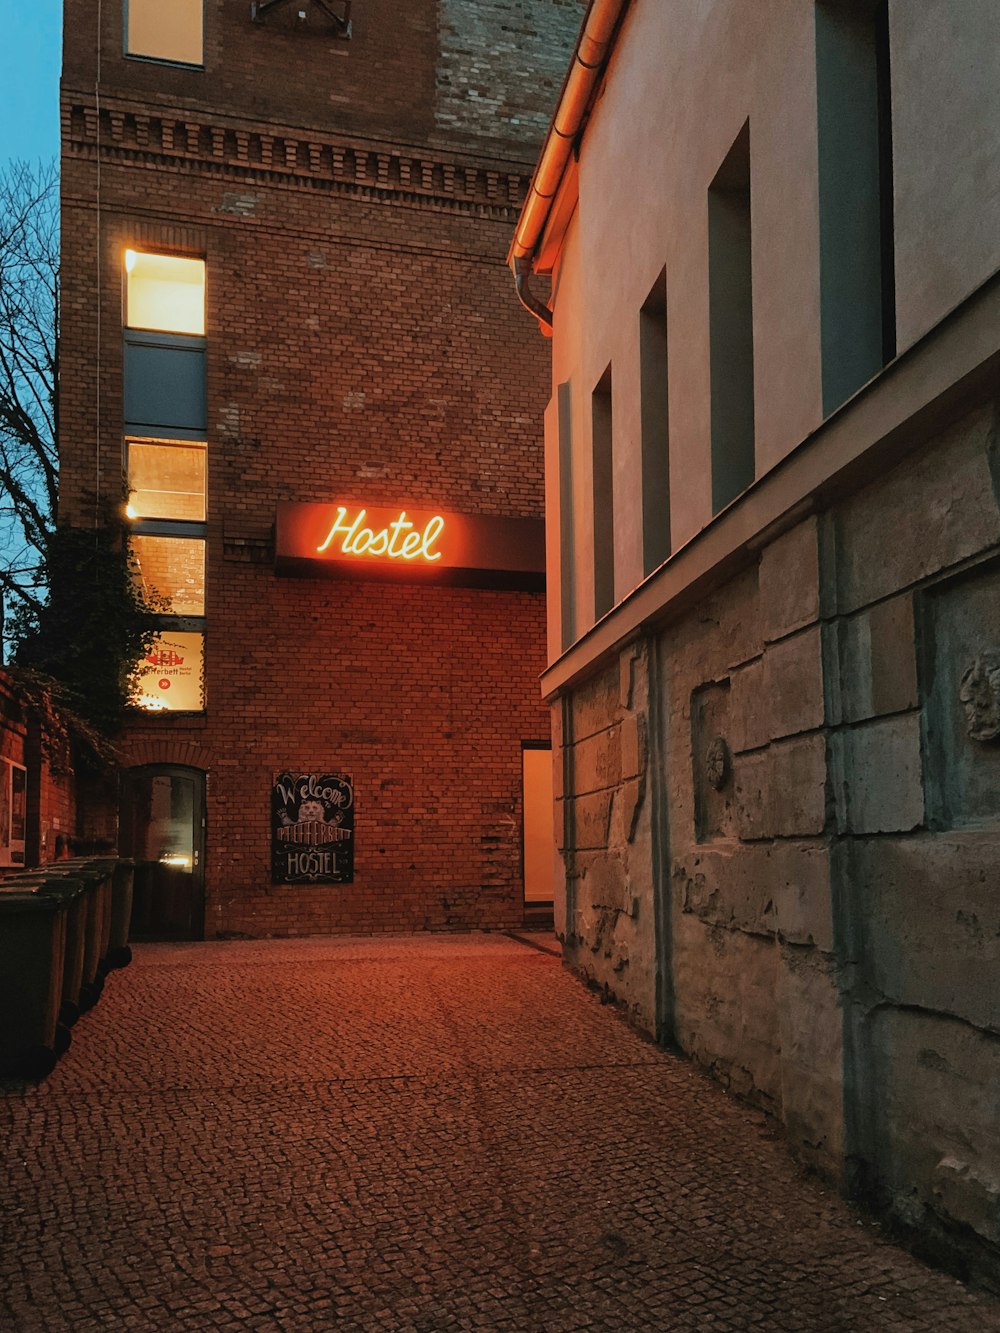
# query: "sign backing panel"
400,544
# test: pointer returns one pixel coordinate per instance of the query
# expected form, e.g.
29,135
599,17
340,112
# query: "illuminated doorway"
163,829
538,840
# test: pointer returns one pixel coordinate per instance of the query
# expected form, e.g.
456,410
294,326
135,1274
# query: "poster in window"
13,812
312,829
170,677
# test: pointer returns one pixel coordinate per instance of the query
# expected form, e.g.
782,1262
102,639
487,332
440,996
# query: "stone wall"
810,883
604,819
916,785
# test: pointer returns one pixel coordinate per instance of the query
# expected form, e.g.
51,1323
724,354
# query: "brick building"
774,564
38,780
284,228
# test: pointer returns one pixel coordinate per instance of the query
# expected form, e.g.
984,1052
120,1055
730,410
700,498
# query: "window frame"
141,332
164,530
160,60
167,435
178,625
165,442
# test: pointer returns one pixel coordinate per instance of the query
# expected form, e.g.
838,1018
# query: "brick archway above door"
137,753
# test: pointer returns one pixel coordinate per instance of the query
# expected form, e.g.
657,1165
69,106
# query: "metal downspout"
522,275
589,60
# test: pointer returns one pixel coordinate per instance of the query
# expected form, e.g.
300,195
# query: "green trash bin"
122,879
103,869
96,880
74,894
115,951
32,948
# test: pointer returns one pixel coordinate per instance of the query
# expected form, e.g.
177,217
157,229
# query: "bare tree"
29,358
61,587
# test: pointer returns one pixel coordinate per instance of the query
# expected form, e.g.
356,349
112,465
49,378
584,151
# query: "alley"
415,1133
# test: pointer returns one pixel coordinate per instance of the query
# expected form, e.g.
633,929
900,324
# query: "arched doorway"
163,830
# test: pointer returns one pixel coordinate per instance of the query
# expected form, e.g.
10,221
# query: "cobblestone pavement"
427,1134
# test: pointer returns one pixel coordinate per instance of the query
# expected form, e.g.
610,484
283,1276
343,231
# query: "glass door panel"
162,831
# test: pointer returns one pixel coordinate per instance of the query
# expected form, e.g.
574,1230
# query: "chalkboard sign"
312,829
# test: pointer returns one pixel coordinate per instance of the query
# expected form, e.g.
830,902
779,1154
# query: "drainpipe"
531,303
593,49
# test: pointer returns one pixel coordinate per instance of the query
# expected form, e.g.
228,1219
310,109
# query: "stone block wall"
915,897
604,819
813,870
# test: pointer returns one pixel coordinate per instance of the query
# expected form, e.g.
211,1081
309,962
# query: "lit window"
171,573
170,678
165,30
166,479
165,293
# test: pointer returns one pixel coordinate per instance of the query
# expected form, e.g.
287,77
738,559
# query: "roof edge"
590,59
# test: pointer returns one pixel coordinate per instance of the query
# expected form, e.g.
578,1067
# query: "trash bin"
32,950
122,879
103,869
115,952
74,893
96,878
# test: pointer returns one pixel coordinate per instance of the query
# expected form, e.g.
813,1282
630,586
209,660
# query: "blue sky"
30,46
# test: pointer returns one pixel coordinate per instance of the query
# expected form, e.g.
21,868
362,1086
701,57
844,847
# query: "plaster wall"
682,82
677,95
575,378
945,104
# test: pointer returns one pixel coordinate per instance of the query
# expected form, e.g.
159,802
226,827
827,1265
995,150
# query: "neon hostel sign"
398,540
399,543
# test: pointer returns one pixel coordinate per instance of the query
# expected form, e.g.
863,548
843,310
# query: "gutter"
590,59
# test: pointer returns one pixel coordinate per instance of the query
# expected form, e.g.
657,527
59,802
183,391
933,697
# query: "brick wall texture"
364,346
51,782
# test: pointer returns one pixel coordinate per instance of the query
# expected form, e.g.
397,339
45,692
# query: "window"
567,516
165,293
730,300
171,572
166,479
854,130
165,30
604,498
164,383
655,427
169,678
13,812
165,464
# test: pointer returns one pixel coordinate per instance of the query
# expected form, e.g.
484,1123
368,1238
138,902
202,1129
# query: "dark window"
731,325
604,498
655,427
164,382
567,525
854,125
